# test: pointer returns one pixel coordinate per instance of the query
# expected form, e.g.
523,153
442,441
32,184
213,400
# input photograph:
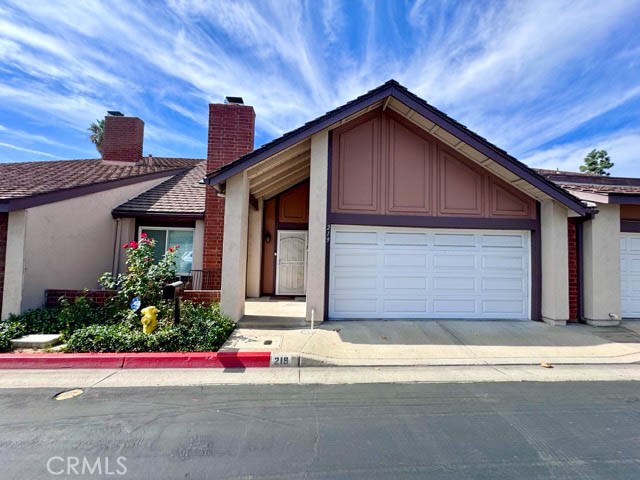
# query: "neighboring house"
387,208
607,247
56,225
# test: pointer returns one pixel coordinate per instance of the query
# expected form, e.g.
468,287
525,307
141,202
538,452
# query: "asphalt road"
426,431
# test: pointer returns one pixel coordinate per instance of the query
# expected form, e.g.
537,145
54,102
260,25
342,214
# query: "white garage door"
630,274
382,272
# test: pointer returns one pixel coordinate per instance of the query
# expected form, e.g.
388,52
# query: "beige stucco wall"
318,182
66,244
198,245
14,264
601,264
555,262
234,250
254,253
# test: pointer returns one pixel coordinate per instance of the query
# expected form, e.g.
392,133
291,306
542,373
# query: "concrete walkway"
446,342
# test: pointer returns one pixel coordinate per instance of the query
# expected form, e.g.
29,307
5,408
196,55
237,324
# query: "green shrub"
38,320
203,328
10,329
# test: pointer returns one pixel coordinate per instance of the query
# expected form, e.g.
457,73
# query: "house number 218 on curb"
281,360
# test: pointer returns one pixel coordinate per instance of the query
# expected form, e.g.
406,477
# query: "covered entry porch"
270,229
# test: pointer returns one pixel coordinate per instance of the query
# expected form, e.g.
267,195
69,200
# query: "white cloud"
26,150
520,73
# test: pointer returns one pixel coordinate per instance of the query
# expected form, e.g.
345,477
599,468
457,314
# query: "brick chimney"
122,138
231,132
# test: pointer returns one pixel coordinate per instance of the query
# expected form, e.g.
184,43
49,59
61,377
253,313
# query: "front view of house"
387,208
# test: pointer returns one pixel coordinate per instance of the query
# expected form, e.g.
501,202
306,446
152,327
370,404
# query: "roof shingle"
27,179
183,194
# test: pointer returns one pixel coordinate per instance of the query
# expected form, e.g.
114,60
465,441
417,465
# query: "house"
607,247
62,222
382,208
387,208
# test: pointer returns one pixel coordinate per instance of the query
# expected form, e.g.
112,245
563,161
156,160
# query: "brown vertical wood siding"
384,165
269,249
287,210
4,226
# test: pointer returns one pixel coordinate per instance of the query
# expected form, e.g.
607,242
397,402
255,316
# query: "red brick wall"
123,139
4,224
52,297
231,130
573,271
202,296
100,296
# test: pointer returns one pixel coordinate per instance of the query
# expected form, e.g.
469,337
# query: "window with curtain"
170,237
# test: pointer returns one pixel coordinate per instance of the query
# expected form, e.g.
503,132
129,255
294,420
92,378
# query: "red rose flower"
126,245
133,244
171,249
143,235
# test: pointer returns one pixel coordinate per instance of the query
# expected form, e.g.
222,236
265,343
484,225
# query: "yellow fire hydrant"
149,319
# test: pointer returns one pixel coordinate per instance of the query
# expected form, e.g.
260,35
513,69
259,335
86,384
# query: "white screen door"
292,259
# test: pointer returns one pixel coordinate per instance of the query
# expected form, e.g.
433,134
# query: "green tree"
597,162
97,133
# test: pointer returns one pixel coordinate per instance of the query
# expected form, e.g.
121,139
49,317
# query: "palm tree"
97,133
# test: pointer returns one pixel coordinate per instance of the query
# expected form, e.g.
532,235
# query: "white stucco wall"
318,182
234,250
66,244
254,253
601,263
555,262
14,264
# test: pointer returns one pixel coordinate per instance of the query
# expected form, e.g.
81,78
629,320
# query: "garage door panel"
406,239
355,305
502,284
405,260
454,306
355,282
459,261
503,262
355,259
503,307
405,283
454,240
356,238
456,284
428,273
404,306
503,241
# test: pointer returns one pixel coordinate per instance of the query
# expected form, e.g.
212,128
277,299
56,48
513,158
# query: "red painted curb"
61,360
15,361
197,360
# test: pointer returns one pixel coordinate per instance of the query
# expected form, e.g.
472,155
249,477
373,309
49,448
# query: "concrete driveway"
444,342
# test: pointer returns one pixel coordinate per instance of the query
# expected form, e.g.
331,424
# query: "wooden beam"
282,185
293,153
282,174
275,172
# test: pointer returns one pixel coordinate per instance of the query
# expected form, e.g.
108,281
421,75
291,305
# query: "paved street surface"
527,430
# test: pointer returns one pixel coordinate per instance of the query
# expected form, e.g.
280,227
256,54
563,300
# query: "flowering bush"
145,278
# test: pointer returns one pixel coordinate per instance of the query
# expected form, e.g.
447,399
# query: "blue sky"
546,80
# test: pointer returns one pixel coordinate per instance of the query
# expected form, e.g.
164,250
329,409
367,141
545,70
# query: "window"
170,237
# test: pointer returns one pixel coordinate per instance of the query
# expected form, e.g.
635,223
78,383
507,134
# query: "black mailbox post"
173,291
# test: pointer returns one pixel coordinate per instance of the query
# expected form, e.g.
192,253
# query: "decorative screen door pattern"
292,259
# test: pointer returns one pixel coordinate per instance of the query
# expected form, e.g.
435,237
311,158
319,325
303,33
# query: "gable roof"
393,89
181,196
29,184
599,188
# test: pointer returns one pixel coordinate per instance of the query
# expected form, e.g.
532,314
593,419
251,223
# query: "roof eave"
417,104
21,203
